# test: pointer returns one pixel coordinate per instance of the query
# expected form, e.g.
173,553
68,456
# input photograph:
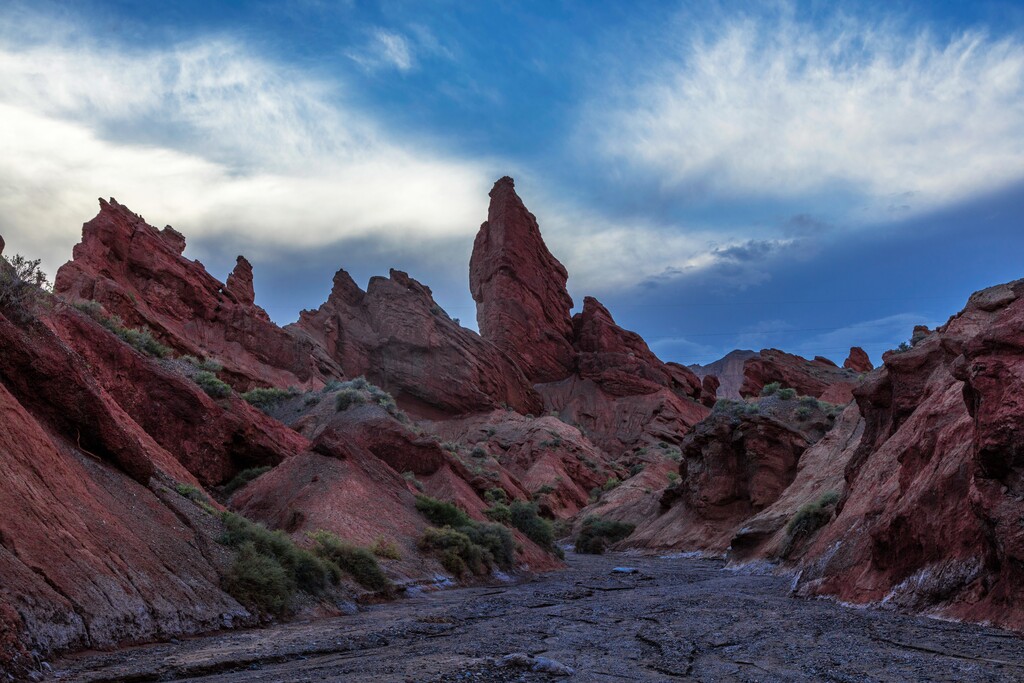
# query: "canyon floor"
671,618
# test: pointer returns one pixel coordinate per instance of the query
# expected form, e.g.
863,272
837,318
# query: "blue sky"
801,175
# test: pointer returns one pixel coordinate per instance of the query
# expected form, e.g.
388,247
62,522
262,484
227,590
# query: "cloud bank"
896,120
216,139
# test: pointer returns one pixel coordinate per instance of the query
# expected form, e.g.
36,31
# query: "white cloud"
783,109
385,49
215,140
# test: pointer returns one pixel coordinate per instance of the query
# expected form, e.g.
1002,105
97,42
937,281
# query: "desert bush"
258,581
441,513
211,384
596,534
636,469
479,452
207,364
267,398
500,513
803,413
525,517
611,483
309,572
359,563
244,477
771,388
787,394
812,516
454,549
348,397
22,285
809,401
385,549
193,493
496,495
673,478
495,539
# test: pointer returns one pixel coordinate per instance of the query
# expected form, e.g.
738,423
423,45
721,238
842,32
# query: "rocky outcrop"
931,516
96,546
546,459
819,476
395,334
139,274
728,370
734,464
522,304
819,377
212,439
858,360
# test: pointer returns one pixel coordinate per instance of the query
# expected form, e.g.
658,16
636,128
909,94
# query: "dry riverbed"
671,619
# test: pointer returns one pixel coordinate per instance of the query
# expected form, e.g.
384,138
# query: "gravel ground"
670,619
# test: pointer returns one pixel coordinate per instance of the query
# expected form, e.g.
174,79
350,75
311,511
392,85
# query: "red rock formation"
621,394
519,287
734,464
212,439
138,273
396,335
858,360
820,471
931,517
95,546
709,390
818,378
546,459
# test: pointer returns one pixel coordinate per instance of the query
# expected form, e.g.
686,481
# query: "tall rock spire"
519,287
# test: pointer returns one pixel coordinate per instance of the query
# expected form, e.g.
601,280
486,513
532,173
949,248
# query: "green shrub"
500,513
244,477
385,549
812,516
596,534
258,581
787,394
193,493
203,363
479,452
770,388
441,513
496,495
525,517
475,547
636,469
613,482
496,540
308,572
357,562
546,488
347,398
267,398
803,413
809,401
211,384
673,478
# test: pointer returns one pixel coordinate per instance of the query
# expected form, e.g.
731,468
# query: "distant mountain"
728,370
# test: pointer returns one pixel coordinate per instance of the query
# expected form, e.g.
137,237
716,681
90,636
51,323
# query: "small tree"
22,284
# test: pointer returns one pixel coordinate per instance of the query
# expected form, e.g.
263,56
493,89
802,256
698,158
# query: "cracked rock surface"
670,619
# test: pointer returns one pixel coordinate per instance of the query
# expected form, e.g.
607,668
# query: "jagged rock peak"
858,360
511,263
239,282
1,244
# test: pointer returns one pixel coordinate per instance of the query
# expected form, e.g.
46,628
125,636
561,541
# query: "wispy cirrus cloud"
385,49
214,138
891,119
